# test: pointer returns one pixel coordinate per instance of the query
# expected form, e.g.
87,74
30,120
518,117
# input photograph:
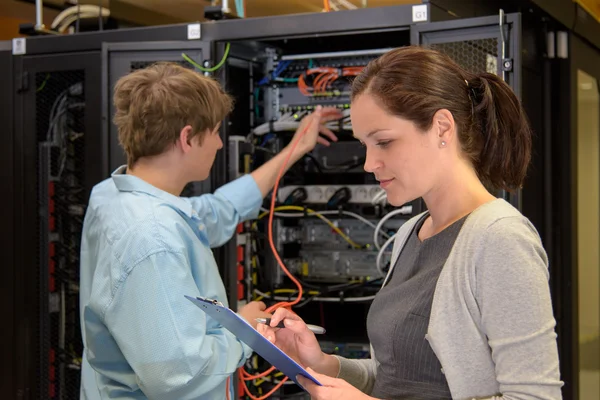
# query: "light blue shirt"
142,250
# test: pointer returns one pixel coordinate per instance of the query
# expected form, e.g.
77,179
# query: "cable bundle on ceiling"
70,15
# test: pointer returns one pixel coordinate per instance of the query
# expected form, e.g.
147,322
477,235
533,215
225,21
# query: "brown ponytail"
414,83
499,117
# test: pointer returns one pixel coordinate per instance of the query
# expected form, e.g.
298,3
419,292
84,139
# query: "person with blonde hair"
144,247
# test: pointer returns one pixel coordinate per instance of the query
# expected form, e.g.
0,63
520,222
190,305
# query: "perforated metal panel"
60,106
475,56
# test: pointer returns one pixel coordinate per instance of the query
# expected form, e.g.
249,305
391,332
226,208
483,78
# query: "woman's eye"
384,144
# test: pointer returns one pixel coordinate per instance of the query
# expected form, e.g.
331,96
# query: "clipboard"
247,334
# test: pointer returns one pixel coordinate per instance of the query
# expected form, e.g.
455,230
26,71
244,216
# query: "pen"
314,328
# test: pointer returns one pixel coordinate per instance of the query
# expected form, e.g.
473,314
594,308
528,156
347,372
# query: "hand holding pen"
313,328
297,340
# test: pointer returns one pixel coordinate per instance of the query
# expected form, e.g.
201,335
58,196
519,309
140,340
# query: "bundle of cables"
243,374
291,121
81,11
281,66
59,132
325,77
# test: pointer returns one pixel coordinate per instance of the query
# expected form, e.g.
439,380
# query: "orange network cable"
326,5
326,76
243,374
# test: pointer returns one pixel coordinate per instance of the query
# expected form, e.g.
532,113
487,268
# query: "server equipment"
328,221
323,238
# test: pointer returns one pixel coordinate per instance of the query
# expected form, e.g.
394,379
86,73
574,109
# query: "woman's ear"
444,127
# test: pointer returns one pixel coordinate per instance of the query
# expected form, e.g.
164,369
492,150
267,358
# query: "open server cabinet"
278,69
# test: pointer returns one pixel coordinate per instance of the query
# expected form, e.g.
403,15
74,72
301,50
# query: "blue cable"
239,8
266,139
275,74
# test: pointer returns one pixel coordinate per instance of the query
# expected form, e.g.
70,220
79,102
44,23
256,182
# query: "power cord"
211,69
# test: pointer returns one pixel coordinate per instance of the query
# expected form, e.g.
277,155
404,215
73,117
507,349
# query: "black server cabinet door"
7,296
486,44
58,158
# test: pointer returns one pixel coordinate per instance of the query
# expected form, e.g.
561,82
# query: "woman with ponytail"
465,310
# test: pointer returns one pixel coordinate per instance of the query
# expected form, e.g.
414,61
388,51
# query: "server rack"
59,154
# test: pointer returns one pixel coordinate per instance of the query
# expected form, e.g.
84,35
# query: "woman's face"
406,161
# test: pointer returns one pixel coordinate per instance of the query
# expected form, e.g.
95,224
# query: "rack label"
419,13
193,31
18,46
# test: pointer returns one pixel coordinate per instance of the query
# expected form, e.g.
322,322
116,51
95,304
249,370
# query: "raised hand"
253,310
312,127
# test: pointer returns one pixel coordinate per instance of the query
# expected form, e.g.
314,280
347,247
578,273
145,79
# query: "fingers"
263,314
307,385
323,141
292,322
267,332
261,305
331,114
324,380
283,313
327,132
315,121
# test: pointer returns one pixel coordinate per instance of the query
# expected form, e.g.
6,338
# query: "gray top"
398,319
491,323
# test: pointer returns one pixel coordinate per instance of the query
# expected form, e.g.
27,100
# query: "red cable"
243,374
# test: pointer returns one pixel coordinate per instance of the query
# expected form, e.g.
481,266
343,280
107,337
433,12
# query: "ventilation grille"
60,112
475,56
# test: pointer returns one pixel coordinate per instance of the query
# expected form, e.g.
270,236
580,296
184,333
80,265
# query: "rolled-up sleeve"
175,350
221,212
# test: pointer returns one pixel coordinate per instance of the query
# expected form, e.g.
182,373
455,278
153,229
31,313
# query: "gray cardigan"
491,323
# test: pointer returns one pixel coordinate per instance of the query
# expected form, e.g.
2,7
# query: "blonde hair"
154,104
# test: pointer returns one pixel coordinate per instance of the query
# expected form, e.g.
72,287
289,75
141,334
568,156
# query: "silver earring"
443,143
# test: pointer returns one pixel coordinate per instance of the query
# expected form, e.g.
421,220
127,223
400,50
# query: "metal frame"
7,295
27,227
311,24
89,41
129,51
